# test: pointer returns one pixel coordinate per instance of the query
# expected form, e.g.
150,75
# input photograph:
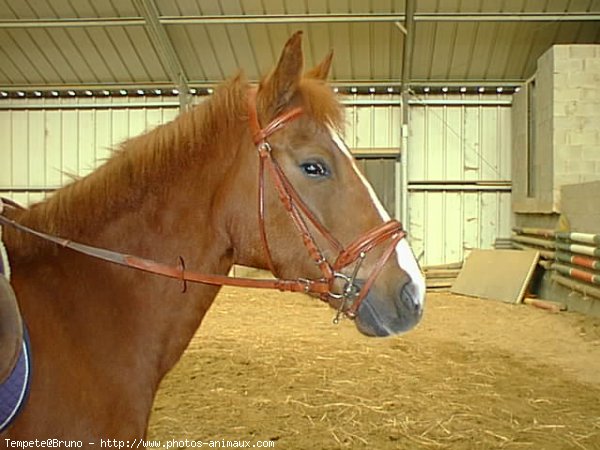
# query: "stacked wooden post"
574,257
441,277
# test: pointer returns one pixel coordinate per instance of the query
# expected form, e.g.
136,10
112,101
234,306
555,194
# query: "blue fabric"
15,390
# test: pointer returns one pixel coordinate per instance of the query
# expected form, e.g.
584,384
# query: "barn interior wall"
459,175
519,150
543,143
577,116
581,206
560,177
459,178
567,131
373,133
46,143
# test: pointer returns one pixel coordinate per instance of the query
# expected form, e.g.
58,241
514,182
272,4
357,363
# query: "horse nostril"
411,297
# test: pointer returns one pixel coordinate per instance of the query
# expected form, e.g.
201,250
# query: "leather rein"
351,294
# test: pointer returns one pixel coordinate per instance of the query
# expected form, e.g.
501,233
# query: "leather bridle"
391,231
349,296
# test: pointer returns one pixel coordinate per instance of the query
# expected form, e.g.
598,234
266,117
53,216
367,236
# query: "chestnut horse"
103,336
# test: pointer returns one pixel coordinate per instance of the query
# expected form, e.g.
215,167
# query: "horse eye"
315,169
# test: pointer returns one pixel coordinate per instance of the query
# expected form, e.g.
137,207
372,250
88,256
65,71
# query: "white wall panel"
459,143
53,161
5,149
375,129
459,179
445,226
373,126
452,147
43,147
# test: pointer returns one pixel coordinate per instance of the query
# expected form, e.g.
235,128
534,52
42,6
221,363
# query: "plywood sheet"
496,274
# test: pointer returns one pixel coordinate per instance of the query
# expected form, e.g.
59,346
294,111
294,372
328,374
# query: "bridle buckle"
350,292
307,284
263,148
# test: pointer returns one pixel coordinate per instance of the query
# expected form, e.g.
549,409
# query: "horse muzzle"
379,315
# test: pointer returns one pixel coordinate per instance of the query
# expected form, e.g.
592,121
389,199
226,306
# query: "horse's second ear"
279,87
321,70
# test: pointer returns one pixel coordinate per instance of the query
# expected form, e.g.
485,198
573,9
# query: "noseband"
349,296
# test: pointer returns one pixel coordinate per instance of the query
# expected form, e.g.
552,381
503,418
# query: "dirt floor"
475,374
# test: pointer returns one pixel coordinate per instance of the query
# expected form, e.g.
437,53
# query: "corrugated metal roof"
60,43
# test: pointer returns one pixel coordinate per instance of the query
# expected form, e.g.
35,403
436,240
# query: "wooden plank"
546,304
439,284
455,265
496,274
442,273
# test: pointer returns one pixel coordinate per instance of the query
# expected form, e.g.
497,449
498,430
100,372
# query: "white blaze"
404,254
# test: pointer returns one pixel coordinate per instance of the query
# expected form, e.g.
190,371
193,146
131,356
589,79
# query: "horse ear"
280,86
321,70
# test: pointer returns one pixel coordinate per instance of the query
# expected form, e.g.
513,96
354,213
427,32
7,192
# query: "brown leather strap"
288,196
366,242
290,205
293,193
298,211
261,214
259,134
176,272
351,312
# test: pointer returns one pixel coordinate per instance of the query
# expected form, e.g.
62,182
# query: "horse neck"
141,321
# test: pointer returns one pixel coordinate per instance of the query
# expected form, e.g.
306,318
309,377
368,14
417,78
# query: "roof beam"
509,17
408,45
73,22
374,18
202,87
301,18
165,49
409,42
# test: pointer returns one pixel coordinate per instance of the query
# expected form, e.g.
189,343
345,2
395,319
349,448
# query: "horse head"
298,123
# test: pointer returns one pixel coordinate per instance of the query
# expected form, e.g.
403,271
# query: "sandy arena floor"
475,374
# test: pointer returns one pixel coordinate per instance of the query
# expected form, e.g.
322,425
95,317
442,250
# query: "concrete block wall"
567,134
576,132
544,137
565,160
581,206
519,150
533,175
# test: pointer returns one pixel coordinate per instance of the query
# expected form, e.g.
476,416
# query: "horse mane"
144,165
140,166
321,104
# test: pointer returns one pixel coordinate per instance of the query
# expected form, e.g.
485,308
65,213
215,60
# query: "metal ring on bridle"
264,147
348,286
349,292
